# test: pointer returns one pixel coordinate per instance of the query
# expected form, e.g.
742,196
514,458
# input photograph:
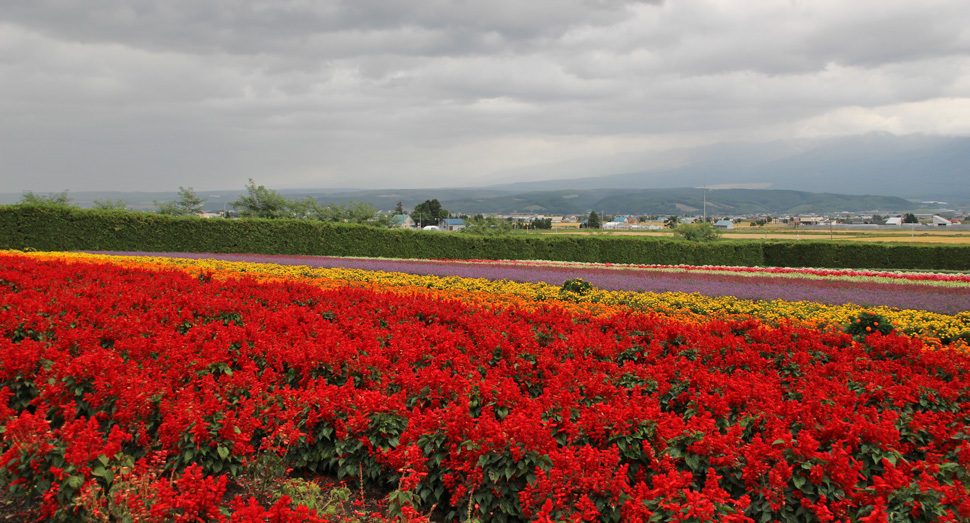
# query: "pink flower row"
757,270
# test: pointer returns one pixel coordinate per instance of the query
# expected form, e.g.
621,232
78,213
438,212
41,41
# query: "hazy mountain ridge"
680,201
803,176
911,166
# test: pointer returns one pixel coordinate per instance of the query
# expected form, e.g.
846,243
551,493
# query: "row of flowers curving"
172,380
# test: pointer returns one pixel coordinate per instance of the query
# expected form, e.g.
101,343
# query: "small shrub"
578,286
263,475
865,323
309,494
697,232
265,478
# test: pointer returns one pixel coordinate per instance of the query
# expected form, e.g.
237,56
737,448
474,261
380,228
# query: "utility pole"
705,203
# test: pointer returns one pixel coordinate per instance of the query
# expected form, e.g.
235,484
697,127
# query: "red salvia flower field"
148,391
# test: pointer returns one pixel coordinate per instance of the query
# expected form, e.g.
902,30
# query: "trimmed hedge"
859,255
60,228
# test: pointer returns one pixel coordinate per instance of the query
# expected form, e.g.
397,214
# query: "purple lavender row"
945,300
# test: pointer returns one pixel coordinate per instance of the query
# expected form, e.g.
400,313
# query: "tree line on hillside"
62,198
258,202
261,202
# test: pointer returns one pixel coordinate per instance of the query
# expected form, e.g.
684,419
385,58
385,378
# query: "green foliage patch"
866,323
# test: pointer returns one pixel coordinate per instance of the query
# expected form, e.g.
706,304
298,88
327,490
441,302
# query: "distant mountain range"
872,172
679,201
725,202
912,167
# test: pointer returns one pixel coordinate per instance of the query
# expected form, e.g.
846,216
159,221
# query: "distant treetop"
60,198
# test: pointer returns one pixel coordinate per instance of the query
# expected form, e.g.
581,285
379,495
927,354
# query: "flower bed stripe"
493,413
936,329
912,294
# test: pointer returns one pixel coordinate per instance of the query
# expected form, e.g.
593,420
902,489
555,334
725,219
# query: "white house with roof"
724,224
451,224
811,220
940,221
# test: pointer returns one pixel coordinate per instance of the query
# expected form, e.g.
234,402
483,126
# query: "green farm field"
924,235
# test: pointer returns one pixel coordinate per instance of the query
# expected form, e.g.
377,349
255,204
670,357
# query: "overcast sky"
154,94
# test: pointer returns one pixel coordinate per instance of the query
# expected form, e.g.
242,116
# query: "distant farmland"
920,235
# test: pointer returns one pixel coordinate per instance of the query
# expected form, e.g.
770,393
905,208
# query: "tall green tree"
188,204
541,223
260,202
60,198
593,221
302,207
910,218
359,212
429,212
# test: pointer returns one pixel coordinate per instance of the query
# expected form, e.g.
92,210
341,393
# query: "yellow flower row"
685,307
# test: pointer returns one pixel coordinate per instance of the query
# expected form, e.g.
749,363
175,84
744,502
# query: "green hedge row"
859,255
65,228
58,228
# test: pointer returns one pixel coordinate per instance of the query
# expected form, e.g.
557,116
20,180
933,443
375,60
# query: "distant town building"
812,220
402,221
451,224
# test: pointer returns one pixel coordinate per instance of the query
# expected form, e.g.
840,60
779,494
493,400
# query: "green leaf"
223,452
75,482
693,461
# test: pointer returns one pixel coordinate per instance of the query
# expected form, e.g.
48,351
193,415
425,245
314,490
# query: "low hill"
911,166
680,201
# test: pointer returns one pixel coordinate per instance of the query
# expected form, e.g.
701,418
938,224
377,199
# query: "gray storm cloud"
150,95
